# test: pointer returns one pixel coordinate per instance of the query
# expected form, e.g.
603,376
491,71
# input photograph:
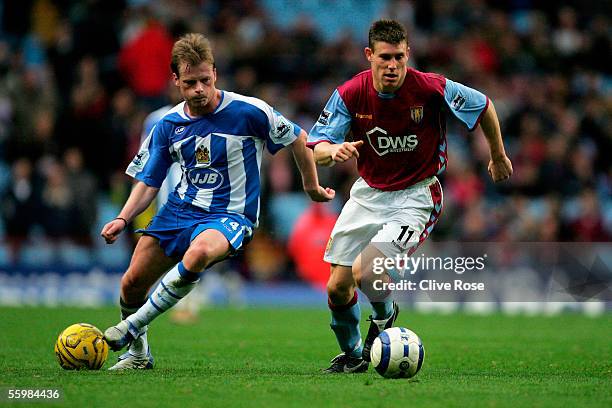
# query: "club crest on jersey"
206,178
202,155
416,113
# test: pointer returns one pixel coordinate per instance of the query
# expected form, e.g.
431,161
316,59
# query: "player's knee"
340,292
199,256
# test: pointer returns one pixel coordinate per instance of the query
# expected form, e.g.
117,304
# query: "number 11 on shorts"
406,231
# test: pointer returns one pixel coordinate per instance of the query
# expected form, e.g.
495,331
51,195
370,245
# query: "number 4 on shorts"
232,224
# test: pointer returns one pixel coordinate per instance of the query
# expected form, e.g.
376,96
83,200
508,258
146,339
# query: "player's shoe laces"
343,363
376,327
120,335
128,361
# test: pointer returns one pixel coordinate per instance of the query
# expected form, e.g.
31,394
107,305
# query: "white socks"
175,285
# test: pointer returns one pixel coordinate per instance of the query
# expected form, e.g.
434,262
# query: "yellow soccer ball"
81,346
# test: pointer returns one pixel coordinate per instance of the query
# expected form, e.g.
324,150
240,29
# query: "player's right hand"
110,232
344,151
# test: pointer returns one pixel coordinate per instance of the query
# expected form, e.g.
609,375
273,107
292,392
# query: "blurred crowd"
78,78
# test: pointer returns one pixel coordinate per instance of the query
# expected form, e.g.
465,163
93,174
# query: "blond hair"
193,49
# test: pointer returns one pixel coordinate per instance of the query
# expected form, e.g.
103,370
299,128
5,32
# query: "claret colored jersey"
219,153
404,133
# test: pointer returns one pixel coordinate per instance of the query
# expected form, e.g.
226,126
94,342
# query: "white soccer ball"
397,353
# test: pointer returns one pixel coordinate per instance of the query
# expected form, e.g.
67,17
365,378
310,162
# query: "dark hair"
193,49
389,31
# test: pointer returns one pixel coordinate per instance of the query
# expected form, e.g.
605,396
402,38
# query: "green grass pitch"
272,358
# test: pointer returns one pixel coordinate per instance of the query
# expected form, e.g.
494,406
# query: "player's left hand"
500,169
321,194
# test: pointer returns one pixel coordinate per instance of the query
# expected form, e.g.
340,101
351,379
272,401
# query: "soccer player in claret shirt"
396,116
218,138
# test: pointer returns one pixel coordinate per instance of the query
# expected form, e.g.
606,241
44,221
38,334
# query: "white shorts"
396,222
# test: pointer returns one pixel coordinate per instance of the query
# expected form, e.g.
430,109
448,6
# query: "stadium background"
77,79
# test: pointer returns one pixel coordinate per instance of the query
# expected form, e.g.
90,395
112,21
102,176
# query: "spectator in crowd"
58,203
20,205
83,186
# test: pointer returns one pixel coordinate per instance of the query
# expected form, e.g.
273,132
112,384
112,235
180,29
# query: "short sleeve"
333,124
282,132
465,103
153,160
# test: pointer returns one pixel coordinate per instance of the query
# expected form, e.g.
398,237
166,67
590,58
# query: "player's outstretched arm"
327,154
139,199
500,166
310,180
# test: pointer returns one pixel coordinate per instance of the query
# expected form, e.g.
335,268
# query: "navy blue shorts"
177,224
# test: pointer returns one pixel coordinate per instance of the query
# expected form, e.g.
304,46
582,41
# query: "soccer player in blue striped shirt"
218,138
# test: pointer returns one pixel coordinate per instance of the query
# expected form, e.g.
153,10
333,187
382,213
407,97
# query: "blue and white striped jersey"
219,153
174,172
